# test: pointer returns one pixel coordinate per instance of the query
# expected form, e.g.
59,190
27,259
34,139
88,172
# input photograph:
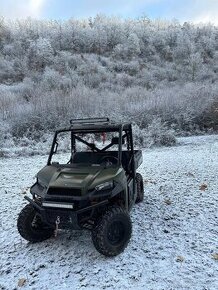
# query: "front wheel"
31,227
112,232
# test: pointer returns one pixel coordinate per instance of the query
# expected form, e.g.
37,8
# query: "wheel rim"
116,233
36,223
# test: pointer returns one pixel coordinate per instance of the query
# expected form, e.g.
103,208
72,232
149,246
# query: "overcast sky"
183,10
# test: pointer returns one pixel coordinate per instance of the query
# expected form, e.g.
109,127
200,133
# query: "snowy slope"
175,229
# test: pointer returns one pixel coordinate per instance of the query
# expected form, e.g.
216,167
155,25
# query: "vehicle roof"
98,127
92,125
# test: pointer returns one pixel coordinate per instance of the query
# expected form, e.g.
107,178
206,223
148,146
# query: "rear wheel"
139,188
31,227
112,232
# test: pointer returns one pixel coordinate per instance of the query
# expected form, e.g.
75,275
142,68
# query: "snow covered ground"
175,229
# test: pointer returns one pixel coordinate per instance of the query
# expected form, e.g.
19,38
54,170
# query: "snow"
174,237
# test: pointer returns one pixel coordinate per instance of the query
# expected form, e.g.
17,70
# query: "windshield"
94,149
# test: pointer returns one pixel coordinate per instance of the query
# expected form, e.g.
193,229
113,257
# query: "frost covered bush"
138,136
159,135
27,126
26,146
155,134
5,136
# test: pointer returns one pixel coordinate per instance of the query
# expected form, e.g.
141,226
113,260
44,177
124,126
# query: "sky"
183,10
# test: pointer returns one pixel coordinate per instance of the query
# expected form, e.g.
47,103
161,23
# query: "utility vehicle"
94,188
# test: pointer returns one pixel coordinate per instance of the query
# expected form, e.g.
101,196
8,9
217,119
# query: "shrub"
155,134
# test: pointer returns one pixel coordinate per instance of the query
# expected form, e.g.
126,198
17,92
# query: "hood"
75,177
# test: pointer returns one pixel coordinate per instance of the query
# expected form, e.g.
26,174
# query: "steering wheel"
110,157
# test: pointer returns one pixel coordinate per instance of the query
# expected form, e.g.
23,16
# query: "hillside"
155,73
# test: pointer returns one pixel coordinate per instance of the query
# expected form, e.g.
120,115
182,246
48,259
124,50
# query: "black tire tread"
98,231
139,188
24,228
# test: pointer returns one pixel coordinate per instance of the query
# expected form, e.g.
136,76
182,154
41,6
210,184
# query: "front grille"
64,191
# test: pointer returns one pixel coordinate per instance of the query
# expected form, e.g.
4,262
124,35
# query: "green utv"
94,188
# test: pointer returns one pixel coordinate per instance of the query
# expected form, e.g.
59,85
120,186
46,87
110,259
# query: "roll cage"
92,126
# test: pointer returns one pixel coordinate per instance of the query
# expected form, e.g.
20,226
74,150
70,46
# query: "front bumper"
69,218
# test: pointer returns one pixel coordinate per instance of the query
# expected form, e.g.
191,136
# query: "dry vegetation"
160,75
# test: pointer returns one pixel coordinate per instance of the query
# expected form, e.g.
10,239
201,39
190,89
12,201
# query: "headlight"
37,198
105,186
